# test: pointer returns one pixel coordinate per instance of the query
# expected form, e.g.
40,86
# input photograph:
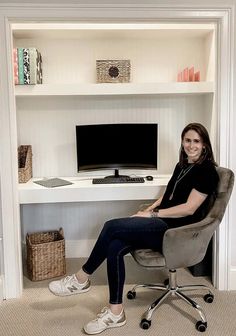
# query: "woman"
186,200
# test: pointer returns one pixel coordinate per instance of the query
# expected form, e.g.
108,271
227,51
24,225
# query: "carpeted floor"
39,313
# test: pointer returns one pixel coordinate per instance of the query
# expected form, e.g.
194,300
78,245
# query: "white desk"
82,190
43,208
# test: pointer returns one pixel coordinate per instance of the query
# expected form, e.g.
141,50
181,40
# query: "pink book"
197,76
191,74
15,66
185,75
180,77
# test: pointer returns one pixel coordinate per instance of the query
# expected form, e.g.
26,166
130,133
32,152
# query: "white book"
33,65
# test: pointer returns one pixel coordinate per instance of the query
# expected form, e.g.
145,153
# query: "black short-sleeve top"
202,177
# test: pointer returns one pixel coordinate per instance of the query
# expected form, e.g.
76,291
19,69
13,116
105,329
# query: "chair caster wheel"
166,282
131,295
145,324
201,326
209,298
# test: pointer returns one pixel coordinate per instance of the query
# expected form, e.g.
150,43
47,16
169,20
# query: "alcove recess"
47,113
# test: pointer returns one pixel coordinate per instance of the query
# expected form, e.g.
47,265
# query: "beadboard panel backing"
80,221
48,124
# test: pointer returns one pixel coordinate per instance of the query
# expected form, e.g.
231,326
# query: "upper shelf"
114,89
148,46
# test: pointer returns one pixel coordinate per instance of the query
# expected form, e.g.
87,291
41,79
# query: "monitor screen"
117,146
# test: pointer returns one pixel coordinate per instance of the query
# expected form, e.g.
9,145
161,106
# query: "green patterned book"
20,65
26,64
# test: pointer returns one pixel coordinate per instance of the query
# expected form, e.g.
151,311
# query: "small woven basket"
24,163
113,71
45,255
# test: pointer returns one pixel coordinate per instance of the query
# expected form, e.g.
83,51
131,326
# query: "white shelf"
85,191
114,89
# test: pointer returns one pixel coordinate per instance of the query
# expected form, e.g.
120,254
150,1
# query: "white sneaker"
106,319
68,286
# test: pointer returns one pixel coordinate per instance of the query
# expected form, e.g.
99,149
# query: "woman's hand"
142,214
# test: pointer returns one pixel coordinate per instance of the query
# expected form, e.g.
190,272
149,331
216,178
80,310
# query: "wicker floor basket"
45,255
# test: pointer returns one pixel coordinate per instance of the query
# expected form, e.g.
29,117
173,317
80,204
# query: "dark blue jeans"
117,238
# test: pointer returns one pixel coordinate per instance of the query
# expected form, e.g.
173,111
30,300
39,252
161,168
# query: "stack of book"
188,75
27,64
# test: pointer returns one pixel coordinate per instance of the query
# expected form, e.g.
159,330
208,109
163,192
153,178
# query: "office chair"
183,247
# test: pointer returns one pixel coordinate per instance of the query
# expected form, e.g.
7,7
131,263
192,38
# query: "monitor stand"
116,175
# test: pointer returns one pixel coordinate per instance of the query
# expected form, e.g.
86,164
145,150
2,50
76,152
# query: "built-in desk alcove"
70,96
39,115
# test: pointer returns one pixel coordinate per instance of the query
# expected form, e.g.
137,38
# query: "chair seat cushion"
149,258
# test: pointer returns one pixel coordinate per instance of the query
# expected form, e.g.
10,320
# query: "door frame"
222,17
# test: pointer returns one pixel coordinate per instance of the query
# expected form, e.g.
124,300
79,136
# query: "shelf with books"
70,52
115,89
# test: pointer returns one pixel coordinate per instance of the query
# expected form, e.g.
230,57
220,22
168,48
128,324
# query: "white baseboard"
232,279
1,288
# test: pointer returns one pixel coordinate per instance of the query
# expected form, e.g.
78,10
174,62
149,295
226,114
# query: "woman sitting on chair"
186,200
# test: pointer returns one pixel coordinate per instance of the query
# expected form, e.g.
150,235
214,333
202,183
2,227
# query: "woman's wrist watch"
154,213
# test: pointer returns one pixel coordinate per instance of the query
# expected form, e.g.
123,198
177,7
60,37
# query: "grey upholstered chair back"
186,246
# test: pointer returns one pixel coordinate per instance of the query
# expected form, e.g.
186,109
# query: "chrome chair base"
171,288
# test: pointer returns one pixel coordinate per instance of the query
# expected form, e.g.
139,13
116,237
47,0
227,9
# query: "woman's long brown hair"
207,153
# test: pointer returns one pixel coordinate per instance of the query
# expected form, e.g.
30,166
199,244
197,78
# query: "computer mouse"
149,178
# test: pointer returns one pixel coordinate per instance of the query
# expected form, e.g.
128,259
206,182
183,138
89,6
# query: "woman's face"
193,145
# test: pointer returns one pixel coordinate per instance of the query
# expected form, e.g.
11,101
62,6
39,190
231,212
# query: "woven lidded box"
113,71
24,163
45,255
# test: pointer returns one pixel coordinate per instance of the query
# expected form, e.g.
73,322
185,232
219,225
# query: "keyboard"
112,180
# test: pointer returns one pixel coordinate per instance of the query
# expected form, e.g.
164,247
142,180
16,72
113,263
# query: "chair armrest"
186,245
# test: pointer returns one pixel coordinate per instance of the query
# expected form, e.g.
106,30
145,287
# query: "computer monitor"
117,146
